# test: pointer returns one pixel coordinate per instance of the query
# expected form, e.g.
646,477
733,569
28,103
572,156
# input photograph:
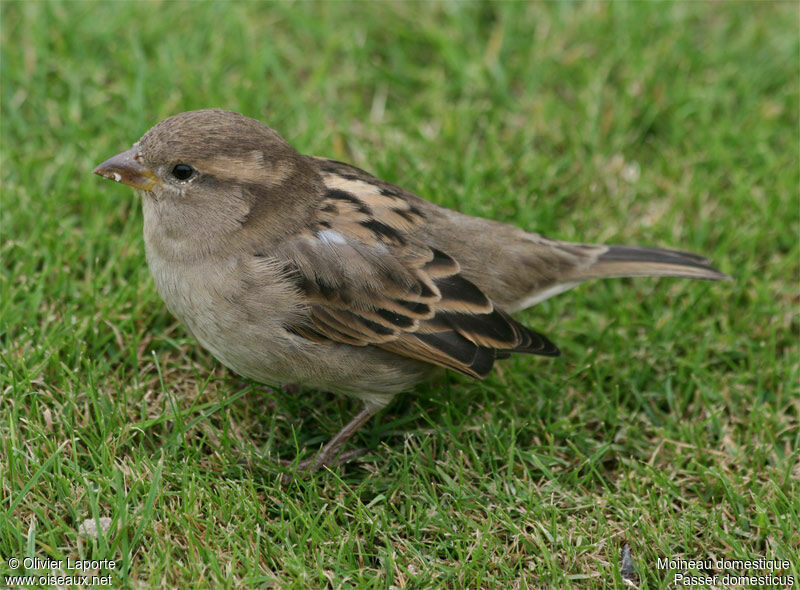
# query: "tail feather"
637,261
584,262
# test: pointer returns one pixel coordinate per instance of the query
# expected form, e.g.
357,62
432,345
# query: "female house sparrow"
298,269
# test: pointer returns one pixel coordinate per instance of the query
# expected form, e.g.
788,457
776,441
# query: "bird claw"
318,461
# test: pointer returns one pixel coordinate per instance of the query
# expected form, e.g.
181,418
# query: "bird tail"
639,261
584,262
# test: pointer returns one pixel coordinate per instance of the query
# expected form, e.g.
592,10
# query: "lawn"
670,424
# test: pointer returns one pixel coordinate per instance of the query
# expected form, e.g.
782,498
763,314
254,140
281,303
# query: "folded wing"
368,281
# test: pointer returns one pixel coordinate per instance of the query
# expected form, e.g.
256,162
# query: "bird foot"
318,461
330,455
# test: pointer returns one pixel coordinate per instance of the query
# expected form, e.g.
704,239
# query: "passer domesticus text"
297,269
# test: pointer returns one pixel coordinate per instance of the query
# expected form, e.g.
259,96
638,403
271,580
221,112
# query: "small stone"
88,527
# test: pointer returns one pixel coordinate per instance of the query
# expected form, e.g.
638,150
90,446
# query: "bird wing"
368,281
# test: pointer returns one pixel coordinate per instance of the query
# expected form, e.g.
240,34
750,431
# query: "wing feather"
369,281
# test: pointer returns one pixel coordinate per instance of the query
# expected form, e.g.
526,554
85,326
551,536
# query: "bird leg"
290,388
329,455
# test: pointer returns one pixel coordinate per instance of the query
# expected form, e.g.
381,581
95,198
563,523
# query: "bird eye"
183,171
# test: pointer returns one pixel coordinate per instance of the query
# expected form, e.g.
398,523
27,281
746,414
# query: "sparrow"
299,269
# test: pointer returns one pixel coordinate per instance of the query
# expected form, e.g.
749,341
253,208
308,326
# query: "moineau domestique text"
37,563
723,564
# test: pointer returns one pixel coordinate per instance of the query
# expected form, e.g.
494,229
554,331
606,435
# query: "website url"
53,580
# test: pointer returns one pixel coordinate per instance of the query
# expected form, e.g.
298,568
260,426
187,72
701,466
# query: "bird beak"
127,168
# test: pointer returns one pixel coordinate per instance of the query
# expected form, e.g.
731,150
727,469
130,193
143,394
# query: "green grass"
671,422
